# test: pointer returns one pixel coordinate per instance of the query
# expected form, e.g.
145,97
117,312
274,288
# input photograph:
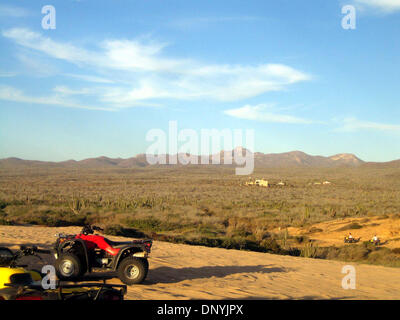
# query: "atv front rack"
67,290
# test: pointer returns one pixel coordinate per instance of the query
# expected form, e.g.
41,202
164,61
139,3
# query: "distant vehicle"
80,253
351,240
376,241
258,182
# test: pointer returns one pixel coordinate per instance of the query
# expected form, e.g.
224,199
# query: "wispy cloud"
36,41
148,74
387,6
36,65
353,124
13,94
13,11
264,113
66,91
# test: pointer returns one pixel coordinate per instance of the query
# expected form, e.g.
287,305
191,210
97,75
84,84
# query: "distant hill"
262,160
301,159
382,165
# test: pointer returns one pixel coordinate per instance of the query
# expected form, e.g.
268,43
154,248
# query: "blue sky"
112,70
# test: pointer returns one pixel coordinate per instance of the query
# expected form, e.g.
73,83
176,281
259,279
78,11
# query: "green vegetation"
206,205
363,253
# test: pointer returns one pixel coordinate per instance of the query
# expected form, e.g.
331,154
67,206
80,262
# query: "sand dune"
191,272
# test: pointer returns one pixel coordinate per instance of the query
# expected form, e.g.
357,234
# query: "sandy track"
192,272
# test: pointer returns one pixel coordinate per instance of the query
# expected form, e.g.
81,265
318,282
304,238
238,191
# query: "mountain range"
261,160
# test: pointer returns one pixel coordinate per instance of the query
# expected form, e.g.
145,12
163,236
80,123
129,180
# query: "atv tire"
146,264
132,270
69,267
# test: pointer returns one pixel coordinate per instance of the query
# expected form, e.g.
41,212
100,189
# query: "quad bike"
14,273
375,242
351,240
17,283
81,253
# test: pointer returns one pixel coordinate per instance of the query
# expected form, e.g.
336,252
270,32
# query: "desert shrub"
353,253
309,251
6,222
118,230
206,212
153,224
207,231
295,252
301,239
167,238
314,230
3,204
228,243
396,250
384,256
237,243
240,233
240,243
383,217
207,242
271,245
57,221
363,253
17,202
374,225
350,226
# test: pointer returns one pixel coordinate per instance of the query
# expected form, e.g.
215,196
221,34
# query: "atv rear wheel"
68,267
132,270
146,264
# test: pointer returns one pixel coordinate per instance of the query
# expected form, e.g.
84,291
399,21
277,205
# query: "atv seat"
117,244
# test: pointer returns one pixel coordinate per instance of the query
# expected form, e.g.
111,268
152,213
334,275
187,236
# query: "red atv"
80,253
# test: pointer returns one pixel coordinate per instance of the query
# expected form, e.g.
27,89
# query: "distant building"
258,182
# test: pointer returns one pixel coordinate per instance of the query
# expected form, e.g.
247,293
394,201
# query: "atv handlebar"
89,229
22,252
33,249
27,251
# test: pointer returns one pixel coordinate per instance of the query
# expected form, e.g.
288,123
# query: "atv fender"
137,252
80,243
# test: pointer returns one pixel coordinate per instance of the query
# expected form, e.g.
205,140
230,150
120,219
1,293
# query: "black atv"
18,283
351,240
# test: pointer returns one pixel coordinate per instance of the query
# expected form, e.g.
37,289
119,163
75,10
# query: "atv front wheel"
132,270
68,267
